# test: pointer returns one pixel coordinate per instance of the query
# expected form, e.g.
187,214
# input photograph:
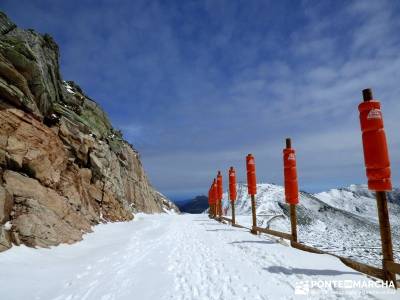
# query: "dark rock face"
63,168
195,206
6,24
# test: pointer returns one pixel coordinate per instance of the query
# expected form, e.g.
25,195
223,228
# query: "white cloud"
197,86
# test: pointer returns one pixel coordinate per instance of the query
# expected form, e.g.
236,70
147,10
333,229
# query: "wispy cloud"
197,85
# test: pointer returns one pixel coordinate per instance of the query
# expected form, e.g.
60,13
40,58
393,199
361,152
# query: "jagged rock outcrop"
63,167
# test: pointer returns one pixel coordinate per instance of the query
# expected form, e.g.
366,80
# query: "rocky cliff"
63,168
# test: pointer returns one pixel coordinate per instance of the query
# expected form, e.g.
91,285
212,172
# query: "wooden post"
232,192
386,235
293,221
384,223
233,212
253,213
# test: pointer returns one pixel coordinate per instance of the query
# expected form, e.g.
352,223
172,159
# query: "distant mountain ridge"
196,205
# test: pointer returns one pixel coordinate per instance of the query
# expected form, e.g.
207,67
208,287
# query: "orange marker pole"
376,157
252,188
291,185
215,197
210,204
232,191
219,193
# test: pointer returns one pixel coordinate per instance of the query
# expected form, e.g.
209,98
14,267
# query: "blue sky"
196,85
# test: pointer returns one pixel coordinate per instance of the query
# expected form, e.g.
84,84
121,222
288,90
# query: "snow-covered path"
174,257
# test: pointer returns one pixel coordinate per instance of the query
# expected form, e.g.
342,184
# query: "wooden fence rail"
355,265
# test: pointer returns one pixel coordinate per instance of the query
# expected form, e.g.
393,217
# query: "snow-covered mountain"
342,220
358,200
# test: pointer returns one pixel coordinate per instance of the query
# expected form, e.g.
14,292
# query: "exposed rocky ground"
63,167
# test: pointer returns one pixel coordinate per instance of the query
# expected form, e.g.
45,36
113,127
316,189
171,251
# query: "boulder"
40,215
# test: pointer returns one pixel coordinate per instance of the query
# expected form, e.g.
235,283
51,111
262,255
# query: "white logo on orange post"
374,114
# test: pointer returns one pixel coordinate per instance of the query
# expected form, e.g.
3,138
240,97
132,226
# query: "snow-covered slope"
360,201
343,221
167,205
177,257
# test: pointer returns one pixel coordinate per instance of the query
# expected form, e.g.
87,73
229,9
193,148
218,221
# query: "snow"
7,226
69,88
340,221
349,200
177,257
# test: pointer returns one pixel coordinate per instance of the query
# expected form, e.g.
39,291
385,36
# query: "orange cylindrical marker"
210,205
252,188
212,199
215,192
251,175
220,191
232,184
376,154
219,185
290,176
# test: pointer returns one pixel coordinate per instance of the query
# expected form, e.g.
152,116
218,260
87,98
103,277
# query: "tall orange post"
215,197
377,163
211,202
252,188
220,190
232,191
291,185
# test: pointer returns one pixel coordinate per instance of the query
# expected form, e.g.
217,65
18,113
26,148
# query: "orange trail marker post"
220,190
215,197
376,158
232,191
291,185
252,188
210,204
